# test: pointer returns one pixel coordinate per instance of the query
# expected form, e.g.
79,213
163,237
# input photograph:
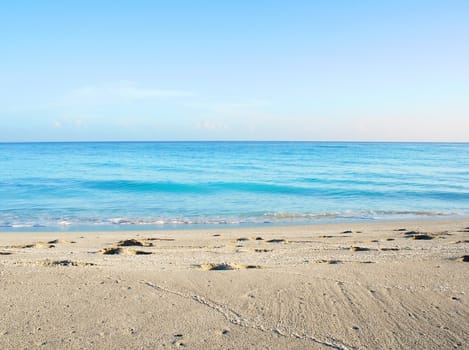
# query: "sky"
234,70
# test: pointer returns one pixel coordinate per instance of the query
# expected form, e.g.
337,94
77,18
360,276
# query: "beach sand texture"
392,285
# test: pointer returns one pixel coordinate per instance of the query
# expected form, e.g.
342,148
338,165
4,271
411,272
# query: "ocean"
151,185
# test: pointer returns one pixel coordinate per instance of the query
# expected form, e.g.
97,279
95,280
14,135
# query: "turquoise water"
181,184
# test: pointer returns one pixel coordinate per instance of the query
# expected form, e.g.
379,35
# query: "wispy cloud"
210,125
124,91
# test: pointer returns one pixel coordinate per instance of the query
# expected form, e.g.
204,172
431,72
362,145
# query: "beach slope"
393,285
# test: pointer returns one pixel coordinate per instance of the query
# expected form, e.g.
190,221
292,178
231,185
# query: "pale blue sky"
234,70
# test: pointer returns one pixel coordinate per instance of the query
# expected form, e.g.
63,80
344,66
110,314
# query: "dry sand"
341,286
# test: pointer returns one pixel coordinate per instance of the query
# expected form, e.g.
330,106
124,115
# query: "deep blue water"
148,184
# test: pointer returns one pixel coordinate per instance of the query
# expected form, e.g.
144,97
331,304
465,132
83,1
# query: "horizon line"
230,141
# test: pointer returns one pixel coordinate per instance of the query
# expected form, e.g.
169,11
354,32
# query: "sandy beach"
387,285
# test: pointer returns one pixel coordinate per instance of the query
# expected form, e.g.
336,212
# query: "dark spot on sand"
226,267
134,243
359,249
464,258
64,263
159,239
122,251
422,236
348,231
276,241
400,230
111,251
251,267
327,261
411,233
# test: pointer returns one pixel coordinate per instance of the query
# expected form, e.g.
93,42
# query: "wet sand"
387,285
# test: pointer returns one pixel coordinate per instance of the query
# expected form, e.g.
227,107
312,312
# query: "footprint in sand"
6,253
262,250
417,235
384,249
178,340
226,267
328,261
40,245
422,236
411,233
134,243
60,241
243,239
159,239
359,249
63,263
276,241
123,251
464,258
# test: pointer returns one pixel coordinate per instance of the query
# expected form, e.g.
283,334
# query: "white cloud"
124,91
210,125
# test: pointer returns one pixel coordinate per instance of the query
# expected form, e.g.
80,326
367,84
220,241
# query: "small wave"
362,214
64,223
266,218
300,215
21,225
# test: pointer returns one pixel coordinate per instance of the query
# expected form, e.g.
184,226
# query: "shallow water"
156,184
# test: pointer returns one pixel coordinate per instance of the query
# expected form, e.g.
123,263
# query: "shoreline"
379,285
132,229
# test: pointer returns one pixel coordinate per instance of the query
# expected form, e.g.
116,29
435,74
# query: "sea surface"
139,185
